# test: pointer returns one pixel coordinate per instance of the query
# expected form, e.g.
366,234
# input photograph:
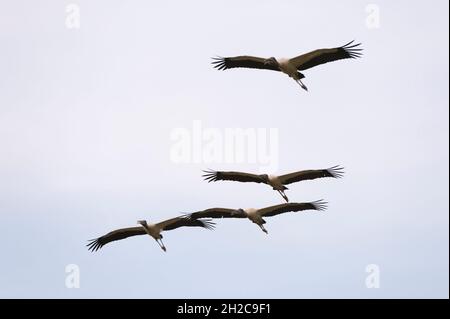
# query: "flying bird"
276,182
154,230
256,215
291,67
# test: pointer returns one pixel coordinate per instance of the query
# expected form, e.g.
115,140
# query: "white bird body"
275,182
287,67
152,230
251,211
277,185
253,215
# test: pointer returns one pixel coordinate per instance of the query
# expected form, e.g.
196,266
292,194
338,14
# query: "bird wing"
217,213
245,61
319,205
213,176
96,244
185,221
335,171
321,56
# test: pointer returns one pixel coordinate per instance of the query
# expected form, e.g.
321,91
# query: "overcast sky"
87,117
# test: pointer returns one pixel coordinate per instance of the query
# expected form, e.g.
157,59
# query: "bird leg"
163,247
161,244
263,229
301,84
283,195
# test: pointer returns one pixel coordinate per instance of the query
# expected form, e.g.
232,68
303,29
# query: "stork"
153,230
291,67
256,215
276,182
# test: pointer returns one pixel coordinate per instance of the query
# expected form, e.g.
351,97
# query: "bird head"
142,222
271,61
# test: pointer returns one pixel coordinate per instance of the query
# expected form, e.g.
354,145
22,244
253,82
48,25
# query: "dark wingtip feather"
94,245
352,51
336,171
347,44
210,176
219,63
320,205
207,223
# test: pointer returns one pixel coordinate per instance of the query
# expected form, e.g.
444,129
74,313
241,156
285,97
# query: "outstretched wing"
185,221
214,176
319,205
245,61
335,172
96,244
218,213
321,56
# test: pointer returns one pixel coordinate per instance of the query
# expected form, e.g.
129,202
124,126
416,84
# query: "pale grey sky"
85,123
